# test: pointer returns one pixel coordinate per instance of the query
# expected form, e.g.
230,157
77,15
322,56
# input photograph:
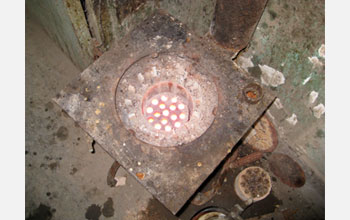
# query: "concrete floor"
63,179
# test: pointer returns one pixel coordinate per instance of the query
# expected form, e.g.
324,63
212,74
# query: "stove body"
110,98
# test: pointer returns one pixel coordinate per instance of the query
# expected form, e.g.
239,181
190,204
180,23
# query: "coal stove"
167,105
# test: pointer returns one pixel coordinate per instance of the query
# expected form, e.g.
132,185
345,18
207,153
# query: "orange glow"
164,121
157,126
172,107
173,100
150,120
162,106
173,117
155,102
166,112
157,114
167,128
182,116
149,110
181,106
177,124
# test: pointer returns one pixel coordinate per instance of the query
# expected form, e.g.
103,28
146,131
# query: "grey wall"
54,17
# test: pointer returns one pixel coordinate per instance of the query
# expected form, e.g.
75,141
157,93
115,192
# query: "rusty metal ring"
252,93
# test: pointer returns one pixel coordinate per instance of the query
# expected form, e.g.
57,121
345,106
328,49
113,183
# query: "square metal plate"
172,175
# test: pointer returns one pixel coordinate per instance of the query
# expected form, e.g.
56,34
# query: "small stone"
313,96
292,119
128,102
140,77
322,51
318,110
120,181
131,89
278,103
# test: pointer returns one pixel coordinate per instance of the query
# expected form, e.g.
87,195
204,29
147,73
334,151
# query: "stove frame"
171,174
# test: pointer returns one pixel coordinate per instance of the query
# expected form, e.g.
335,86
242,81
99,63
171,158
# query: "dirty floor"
63,179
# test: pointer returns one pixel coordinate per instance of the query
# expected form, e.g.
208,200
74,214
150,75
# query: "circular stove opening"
166,101
167,106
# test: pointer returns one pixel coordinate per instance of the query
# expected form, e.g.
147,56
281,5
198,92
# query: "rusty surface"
246,160
253,93
172,175
287,170
235,22
263,136
111,174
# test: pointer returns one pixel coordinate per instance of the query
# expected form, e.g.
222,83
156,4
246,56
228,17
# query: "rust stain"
246,160
251,94
140,175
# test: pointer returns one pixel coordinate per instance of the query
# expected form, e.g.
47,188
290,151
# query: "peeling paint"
307,79
322,51
270,76
292,119
245,62
318,110
278,103
315,61
313,96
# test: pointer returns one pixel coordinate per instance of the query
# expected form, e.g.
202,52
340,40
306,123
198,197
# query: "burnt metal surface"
111,181
235,22
173,174
287,170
